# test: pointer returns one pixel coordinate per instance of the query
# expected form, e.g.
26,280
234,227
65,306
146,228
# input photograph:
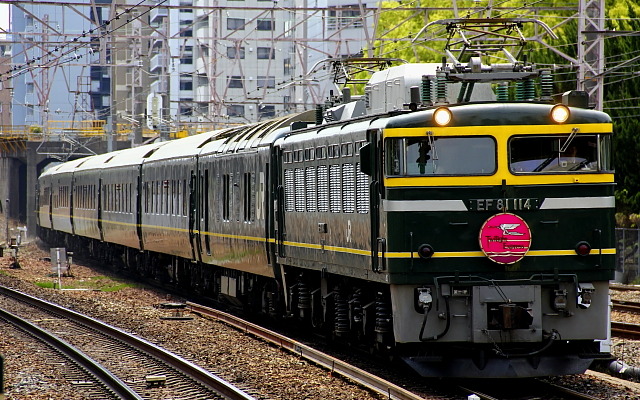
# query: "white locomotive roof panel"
69,166
185,147
132,156
95,162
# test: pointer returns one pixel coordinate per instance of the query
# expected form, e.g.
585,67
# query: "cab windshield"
440,156
560,154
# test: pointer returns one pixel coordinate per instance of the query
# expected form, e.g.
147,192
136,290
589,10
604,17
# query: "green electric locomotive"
434,218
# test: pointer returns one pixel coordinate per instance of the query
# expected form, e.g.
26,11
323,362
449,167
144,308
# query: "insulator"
519,91
502,91
546,85
383,315
304,296
341,319
319,112
441,88
426,92
529,90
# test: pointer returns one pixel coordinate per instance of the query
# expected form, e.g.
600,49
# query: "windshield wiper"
563,148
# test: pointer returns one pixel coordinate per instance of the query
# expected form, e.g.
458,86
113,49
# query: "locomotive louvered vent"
348,188
289,190
323,189
367,97
299,190
362,191
334,188
310,179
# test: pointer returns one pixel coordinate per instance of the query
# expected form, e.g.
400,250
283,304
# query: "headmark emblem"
505,238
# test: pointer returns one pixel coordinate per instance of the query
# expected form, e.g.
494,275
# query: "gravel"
269,372
264,369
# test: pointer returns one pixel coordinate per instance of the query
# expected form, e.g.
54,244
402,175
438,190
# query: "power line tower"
591,50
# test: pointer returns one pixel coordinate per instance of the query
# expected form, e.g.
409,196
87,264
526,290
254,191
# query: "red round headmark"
505,238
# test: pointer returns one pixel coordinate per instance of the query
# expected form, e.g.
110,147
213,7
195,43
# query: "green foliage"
621,93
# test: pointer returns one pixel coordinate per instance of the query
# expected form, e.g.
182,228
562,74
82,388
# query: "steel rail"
336,366
182,365
619,286
623,329
101,374
623,305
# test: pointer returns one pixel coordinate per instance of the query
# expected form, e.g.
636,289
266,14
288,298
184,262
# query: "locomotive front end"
498,222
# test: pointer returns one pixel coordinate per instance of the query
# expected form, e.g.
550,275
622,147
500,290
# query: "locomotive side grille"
299,185
323,189
289,192
310,179
348,186
362,191
335,188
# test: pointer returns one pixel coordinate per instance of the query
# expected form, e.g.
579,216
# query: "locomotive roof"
492,114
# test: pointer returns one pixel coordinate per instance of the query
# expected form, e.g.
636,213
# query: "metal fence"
628,255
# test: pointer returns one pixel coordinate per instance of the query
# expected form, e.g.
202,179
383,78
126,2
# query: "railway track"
624,329
371,381
111,385
336,366
146,368
619,286
624,305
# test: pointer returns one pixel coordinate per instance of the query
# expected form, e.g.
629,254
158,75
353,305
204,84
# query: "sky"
4,17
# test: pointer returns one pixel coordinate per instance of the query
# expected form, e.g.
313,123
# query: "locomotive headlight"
425,251
583,249
442,116
560,113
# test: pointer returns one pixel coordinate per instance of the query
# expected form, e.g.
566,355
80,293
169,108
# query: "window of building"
266,81
186,55
266,53
235,81
287,66
267,111
186,32
344,17
186,83
235,52
265,25
235,110
235,24
186,108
